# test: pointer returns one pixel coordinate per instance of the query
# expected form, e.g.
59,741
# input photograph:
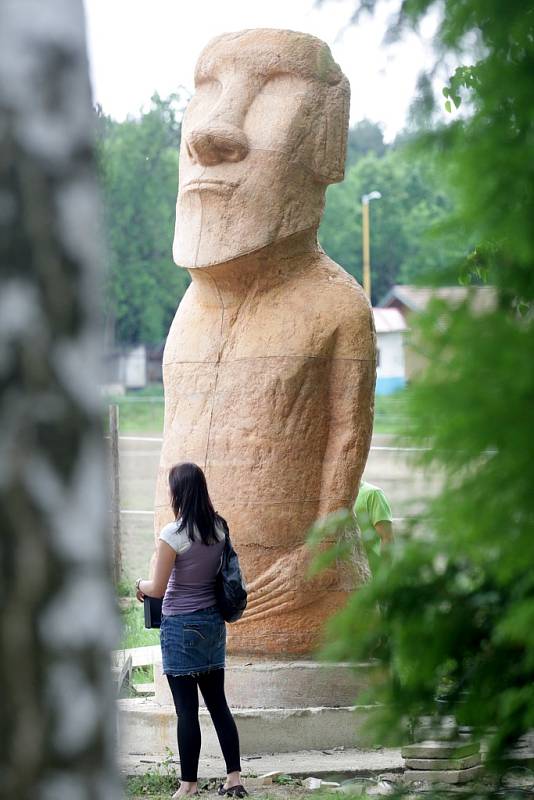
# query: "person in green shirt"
375,521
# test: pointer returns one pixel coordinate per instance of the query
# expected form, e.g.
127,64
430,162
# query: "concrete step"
335,763
265,683
146,726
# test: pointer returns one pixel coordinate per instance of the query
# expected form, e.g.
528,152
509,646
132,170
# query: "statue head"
263,136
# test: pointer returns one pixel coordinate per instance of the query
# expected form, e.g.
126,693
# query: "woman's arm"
162,571
384,529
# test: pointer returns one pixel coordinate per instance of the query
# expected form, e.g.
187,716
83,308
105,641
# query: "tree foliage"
139,172
456,617
406,241
364,137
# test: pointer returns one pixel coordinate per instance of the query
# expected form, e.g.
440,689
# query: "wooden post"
115,492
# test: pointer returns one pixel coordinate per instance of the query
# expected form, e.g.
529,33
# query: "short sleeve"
378,507
178,540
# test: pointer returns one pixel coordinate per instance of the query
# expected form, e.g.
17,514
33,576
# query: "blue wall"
389,385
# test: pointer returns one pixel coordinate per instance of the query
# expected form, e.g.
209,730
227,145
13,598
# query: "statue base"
260,683
279,707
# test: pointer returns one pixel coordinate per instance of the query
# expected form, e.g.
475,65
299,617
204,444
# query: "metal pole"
366,248
115,492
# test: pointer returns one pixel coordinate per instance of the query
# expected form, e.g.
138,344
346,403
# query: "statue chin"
203,240
206,250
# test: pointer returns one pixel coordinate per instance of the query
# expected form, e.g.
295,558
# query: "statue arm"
351,400
351,391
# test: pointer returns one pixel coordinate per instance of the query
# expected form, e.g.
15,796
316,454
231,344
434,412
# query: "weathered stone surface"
260,683
443,763
444,776
268,122
269,366
431,749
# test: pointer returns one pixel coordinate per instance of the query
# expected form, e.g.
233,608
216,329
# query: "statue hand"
286,585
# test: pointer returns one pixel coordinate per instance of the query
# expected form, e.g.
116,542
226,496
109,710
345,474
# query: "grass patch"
140,411
391,414
124,587
159,781
143,674
134,633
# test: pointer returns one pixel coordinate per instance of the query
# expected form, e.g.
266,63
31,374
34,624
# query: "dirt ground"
150,789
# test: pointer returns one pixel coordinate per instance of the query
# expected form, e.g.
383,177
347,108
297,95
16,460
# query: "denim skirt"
193,643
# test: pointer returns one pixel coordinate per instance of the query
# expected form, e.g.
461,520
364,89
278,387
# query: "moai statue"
269,366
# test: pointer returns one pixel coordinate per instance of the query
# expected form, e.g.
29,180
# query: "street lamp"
366,198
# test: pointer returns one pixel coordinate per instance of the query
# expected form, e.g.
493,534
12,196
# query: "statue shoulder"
344,309
337,291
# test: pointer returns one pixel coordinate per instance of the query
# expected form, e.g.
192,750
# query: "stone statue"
269,365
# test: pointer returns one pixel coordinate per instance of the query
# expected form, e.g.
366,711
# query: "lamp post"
366,198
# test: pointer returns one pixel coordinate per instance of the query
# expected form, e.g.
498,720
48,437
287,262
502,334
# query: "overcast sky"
137,47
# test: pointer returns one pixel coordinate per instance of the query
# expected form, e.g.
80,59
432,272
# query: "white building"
390,331
412,300
125,368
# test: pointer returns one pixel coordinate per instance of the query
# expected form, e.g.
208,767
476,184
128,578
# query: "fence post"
115,492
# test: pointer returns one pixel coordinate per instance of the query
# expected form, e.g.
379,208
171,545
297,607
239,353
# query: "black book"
152,611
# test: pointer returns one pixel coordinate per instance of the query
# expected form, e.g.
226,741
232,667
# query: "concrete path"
305,763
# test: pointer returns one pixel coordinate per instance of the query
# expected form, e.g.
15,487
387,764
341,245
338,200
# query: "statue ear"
331,142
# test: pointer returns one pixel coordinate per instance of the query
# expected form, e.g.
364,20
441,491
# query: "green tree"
364,137
139,168
457,609
405,238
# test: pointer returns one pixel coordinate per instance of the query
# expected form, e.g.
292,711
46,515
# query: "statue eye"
284,84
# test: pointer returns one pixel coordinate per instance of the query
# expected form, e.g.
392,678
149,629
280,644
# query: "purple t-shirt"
192,582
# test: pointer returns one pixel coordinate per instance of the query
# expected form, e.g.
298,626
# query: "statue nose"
215,144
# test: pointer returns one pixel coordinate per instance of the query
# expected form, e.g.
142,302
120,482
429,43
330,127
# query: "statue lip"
209,185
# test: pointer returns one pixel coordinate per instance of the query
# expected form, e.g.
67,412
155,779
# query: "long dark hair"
191,502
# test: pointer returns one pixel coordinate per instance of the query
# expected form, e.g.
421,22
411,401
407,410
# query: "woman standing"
193,633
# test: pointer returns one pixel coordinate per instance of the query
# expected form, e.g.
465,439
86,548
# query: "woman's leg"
185,695
212,687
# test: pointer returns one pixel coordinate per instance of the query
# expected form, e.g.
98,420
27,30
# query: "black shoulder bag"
230,588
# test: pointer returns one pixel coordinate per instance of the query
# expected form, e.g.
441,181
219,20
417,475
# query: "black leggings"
185,695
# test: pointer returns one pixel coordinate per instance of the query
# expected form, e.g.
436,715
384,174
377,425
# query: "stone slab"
443,763
444,775
122,674
432,749
147,727
141,656
344,762
261,683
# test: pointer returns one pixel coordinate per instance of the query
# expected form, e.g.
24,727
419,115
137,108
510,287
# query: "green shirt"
371,506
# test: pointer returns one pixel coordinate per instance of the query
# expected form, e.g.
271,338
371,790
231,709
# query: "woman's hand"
138,593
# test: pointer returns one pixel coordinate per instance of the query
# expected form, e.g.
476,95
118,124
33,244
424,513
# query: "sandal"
233,791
